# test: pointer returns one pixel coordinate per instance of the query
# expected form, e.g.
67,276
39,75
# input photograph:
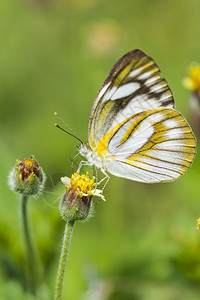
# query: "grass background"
54,55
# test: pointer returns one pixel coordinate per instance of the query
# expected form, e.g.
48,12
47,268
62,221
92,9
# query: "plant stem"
28,244
63,259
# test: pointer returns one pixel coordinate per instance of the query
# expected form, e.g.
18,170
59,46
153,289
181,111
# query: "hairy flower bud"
76,202
27,177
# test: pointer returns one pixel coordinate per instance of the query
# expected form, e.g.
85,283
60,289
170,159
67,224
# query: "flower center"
82,183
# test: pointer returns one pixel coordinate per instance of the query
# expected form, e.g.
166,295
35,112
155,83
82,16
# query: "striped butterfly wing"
153,146
134,85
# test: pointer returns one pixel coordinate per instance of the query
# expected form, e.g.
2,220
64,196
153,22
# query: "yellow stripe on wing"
157,141
171,147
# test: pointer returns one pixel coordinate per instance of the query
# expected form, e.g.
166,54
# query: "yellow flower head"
193,81
198,223
76,202
82,185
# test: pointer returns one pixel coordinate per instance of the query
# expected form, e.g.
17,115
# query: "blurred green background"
54,55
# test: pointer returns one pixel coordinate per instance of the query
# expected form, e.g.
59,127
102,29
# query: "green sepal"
73,207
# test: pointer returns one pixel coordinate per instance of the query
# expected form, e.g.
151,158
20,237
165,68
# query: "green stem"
63,259
28,244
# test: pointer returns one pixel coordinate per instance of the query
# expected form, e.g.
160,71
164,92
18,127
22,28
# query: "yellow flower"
82,185
198,223
76,203
193,81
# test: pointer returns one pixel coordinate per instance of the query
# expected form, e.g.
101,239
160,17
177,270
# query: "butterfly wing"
152,146
133,85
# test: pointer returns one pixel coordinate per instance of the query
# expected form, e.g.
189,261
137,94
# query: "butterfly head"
84,149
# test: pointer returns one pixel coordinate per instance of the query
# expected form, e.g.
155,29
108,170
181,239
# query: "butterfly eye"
83,149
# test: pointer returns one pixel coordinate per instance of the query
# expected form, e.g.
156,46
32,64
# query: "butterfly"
134,130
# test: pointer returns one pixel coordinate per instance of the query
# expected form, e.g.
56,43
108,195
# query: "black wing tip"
129,56
134,54
125,59
137,53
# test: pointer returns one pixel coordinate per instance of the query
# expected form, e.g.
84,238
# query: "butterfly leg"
83,163
72,161
107,178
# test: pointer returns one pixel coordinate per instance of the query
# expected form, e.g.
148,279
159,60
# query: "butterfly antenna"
74,133
56,125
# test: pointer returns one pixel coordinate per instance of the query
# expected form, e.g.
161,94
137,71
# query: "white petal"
66,181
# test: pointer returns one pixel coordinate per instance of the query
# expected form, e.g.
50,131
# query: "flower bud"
76,202
27,177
